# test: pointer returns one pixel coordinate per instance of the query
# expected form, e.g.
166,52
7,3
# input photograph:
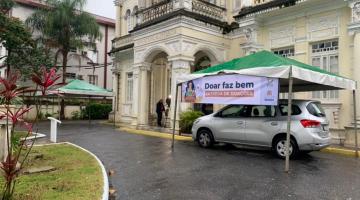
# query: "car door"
229,124
261,125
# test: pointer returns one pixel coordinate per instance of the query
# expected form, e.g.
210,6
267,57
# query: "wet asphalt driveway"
147,169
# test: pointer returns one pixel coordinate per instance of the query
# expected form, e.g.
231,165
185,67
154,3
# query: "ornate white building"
156,41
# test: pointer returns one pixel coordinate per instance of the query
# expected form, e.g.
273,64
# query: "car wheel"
205,138
279,148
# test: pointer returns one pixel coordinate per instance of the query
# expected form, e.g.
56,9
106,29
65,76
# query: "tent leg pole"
287,158
355,125
174,118
115,111
59,108
89,112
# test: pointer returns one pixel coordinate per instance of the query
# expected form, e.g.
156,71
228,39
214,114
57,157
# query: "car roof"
297,101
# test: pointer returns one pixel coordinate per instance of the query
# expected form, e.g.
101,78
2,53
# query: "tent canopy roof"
83,88
267,64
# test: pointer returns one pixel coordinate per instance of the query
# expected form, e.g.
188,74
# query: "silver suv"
265,126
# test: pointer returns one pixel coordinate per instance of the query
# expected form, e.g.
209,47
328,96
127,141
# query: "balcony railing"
167,6
258,2
123,41
156,11
208,9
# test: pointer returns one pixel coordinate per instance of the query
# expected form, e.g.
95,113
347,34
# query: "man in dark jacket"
159,110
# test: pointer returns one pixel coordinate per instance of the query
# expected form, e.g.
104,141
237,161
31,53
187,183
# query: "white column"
356,66
180,67
136,100
118,19
354,29
144,88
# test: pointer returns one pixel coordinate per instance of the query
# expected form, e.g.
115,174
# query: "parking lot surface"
146,168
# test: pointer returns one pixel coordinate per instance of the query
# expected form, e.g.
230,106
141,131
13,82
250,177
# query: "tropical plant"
187,119
64,26
17,151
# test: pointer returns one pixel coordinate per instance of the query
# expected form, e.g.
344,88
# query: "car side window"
233,111
295,110
262,111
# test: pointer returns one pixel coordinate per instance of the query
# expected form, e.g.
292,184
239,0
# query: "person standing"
159,111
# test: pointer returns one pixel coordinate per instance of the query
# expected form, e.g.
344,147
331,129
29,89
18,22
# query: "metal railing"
208,9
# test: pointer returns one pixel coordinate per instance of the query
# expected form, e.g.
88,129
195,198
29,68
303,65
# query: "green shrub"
48,115
97,111
187,119
76,115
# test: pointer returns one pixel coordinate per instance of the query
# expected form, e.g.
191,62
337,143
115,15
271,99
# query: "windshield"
315,109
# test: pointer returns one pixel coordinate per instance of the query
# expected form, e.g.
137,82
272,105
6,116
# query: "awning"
83,88
267,64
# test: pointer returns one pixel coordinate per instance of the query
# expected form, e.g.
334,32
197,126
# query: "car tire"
279,148
205,138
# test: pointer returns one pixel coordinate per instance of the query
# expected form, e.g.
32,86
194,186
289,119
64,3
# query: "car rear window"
284,109
316,109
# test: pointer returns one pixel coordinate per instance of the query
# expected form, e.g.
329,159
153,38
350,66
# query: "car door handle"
240,122
273,123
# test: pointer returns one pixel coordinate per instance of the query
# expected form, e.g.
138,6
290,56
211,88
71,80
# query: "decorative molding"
282,36
323,27
354,26
156,37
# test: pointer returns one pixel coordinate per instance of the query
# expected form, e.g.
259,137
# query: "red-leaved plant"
18,150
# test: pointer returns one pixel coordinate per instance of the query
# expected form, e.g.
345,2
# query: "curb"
340,151
156,134
105,195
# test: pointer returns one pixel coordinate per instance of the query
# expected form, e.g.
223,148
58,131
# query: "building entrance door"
160,86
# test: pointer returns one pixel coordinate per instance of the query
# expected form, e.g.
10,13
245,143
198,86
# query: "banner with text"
231,89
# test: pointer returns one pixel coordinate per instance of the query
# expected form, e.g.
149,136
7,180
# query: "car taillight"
307,123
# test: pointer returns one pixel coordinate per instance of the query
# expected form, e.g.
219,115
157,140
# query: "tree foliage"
23,52
64,25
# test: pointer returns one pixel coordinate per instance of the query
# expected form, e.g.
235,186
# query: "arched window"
134,16
128,20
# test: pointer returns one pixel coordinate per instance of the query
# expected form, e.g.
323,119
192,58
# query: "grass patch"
21,134
77,175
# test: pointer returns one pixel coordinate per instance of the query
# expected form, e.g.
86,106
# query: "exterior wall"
299,26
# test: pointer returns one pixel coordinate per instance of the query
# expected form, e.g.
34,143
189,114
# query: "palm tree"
64,26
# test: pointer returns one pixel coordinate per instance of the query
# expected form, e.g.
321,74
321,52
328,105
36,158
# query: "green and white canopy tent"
293,75
82,89
265,63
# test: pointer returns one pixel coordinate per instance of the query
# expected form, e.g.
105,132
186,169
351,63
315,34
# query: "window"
128,20
134,16
234,111
80,77
315,109
237,5
93,79
262,111
295,110
71,75
285,52
325,55
129,87
93,55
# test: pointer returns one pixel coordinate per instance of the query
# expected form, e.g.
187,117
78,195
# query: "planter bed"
76,175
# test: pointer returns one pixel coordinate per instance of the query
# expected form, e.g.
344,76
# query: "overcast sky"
104,8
